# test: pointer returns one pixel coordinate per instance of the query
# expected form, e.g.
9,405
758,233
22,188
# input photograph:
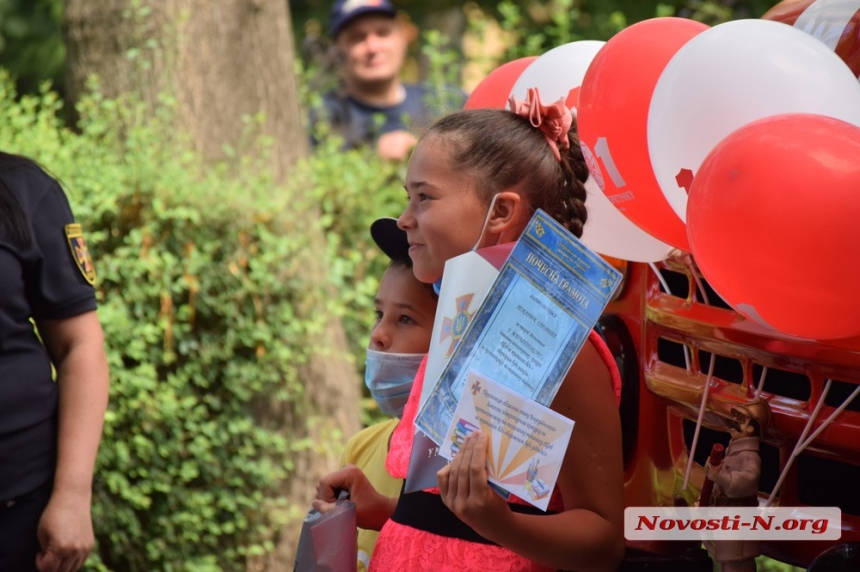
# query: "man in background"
373,106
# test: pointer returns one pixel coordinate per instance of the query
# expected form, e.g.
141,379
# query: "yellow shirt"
367,450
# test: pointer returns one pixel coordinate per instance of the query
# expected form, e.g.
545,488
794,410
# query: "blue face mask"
389,378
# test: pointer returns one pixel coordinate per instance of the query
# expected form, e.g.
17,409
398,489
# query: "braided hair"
503,151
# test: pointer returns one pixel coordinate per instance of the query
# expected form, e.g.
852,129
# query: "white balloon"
557,71
607,231
733,74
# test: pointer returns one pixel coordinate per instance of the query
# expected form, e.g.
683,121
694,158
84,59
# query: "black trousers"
19,520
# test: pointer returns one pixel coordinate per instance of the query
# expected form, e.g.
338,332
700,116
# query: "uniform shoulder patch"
80,252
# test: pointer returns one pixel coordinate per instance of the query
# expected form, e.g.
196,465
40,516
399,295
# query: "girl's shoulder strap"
609,360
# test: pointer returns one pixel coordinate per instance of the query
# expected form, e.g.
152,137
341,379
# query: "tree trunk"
221,61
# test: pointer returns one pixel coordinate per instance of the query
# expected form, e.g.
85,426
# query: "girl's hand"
465,491
372,509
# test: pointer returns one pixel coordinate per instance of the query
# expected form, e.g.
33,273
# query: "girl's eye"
377,315
423,197
404,319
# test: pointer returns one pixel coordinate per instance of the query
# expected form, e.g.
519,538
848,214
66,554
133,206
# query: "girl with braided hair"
476,177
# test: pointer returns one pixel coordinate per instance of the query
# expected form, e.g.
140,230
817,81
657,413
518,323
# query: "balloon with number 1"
613,117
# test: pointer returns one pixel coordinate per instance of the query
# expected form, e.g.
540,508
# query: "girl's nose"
406,221
380,340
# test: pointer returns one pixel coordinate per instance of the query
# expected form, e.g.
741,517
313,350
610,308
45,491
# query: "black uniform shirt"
41,281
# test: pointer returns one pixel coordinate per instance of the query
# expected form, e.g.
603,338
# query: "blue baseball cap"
345,11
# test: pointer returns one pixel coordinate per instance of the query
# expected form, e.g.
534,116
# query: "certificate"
465,284
527,441
532,324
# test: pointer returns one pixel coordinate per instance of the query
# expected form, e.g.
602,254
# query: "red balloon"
613,121
834,22
773,219
493,91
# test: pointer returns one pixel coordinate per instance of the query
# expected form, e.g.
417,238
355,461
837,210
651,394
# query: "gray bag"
328,541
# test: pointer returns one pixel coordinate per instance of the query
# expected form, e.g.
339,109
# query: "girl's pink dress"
401,548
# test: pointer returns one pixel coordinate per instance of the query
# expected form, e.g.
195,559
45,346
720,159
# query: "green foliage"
443,77
534,27
540,26
31,45
556,27
206,317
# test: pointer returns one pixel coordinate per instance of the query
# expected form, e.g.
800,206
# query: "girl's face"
445,212
405,310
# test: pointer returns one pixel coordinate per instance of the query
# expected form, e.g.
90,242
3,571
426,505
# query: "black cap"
390,238
345,11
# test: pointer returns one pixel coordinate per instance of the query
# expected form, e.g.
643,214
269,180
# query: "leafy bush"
205,313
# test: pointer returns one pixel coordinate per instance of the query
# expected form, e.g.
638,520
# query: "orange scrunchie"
553,120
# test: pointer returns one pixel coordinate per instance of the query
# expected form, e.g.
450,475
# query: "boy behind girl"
400,338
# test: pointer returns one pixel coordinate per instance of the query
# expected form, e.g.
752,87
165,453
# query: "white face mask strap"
486,221
392,356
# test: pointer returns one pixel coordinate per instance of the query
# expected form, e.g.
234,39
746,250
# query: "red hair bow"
553,120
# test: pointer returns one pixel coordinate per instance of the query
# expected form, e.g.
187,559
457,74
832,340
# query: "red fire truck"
665,327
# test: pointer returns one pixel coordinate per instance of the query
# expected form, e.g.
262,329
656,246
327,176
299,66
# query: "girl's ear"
506,219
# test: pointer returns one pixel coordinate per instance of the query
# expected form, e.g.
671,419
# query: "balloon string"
761,380
804,443
699,285
666,289
832,417
798,446
699,422
660,278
